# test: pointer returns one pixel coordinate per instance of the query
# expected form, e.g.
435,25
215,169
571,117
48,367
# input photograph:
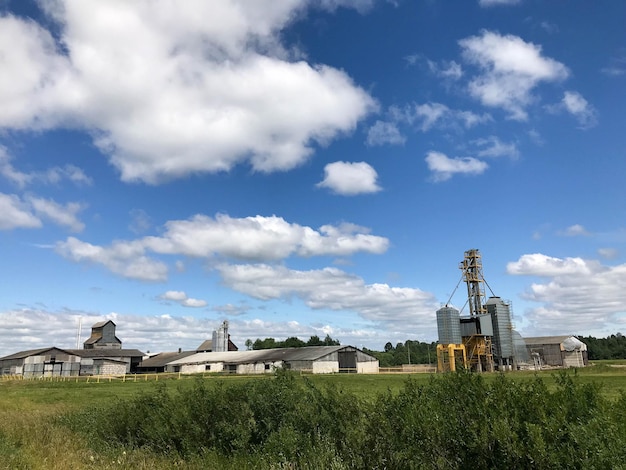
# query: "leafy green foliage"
611,347
452,421
291,342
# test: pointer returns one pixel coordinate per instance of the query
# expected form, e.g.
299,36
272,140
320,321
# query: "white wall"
369,367
325,367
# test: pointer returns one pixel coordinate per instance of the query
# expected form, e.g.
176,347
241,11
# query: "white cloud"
577,106
181,298
14,213
617,67
168,90
58,213
31,328
382,133
490,3
446,69
333,289
52,175
493,147
124,259
350,179
252,238
575,230
510,69
432,115
578,296
444,168
608,253
538,264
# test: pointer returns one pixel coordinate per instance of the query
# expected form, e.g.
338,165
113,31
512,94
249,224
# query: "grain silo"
504,350
449,325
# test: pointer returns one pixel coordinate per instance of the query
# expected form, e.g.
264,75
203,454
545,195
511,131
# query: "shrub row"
455,421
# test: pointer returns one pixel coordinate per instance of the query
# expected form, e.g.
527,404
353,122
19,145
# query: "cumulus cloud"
167,89
538,264
382,133
428,116
446,69
574,103
350,179
251,238
608,253
180,297
125,259
52,175
333,289
32,328
493,147
14,213
444,167
575,230
577,296
510,69
58,213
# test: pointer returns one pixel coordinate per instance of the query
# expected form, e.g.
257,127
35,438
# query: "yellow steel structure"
476,350
451,356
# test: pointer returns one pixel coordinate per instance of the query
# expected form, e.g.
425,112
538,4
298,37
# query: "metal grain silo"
500,312
449,325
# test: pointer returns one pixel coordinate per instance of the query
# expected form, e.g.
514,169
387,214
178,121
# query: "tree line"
611,347
417,352
291,342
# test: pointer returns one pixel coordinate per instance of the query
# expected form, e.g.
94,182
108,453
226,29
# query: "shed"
560,351
92,360
42,362
315,359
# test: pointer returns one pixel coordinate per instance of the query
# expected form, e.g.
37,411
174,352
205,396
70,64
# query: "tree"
249,344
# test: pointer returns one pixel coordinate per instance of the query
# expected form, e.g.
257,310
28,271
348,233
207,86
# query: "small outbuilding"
314,359
558,351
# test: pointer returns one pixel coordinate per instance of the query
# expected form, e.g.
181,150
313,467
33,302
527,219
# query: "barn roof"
100,324
164,358
309,353
546,339
34,352
107,352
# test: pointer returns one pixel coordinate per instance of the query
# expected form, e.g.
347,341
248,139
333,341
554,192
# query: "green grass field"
32,438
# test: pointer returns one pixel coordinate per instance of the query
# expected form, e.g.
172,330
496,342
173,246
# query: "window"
267,366
207,367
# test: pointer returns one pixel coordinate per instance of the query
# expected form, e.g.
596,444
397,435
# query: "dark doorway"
347,362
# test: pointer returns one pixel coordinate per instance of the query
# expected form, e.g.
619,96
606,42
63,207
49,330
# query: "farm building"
57,362
108,361
158,362
559,351
315,359
103,337
43,362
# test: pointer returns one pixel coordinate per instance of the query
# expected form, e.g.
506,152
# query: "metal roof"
106,352
308,353
206,346
100,324
164,358
546,339
34,352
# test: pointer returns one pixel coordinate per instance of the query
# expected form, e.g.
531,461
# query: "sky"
308,167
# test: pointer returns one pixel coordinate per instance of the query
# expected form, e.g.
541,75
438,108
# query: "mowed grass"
32,438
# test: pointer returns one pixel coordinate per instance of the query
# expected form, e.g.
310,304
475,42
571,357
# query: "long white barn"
315,359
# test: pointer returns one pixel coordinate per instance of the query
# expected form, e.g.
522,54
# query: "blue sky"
307,168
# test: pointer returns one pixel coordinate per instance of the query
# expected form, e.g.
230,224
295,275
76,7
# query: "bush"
455,421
